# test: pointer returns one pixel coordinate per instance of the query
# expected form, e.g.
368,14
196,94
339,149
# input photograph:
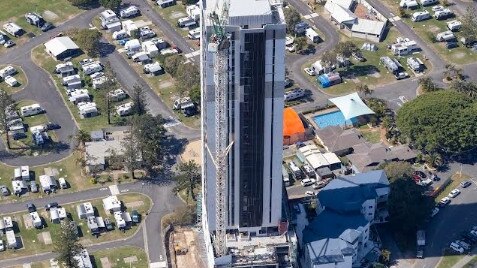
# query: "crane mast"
220,40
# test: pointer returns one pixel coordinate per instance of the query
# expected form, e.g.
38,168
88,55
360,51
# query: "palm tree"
188,178
80,139
433,159
364,89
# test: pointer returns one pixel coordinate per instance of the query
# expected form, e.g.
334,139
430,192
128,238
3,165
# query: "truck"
312,35
421,243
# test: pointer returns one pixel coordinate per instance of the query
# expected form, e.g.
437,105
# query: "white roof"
111,202
59,45
331,158
317,160
339,12
351,106
132,44
368,26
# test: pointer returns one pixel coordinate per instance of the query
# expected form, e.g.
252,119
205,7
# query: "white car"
309,71
456,247
444,201
454,193
2,246
463,244
310,193
434,212
291,48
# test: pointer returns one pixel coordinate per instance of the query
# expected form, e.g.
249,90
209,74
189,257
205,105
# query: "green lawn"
449,261
172,14
19,76
116,257
33,245
372,135
55,11
456,179
42,59
428,29
370,72
471,263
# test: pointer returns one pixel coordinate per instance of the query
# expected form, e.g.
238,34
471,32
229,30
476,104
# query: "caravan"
125,109
13,29
128,12
30,110
186,22
443,14
445,36
312,35
7,71
420,16
194,34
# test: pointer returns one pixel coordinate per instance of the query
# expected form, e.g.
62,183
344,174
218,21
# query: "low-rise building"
338,140
85,210
366,156
48,183
62,47
339,235
111,204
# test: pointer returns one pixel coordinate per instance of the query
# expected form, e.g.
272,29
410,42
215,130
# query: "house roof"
347,193
329,224
366,156
96,151
335,138
339,10
351,105
374,27
327,251
403,152
58,45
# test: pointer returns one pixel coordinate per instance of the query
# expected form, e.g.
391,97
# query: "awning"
351,106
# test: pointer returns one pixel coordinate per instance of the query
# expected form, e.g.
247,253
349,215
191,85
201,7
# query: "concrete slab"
105,262
142,23
50,15
130,259
27,221
46,238
51,172
160,264
134,204
177,15
114,189
27,265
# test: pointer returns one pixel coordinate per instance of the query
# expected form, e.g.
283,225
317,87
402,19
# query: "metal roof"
58,45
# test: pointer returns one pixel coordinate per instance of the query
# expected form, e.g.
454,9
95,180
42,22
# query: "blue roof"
347,193
328,251
329,224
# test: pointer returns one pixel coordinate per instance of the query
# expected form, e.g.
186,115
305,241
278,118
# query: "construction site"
185,248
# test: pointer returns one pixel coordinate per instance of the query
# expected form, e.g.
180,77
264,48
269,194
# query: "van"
30,110
186,22
294,94
194,34
63,184
420,16
306,182
312,35
429,2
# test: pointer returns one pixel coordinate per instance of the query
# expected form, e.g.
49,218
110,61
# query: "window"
370,206
370,214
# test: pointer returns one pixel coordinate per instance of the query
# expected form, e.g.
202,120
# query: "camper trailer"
124,109
294,94
87,109
117,95
128,12
36,220
194,34
312,35
92,68
153,68
13,29
454,25
186,22
166,3
429,2
415,64
30,110
79,95
420,16
85,210
445,36
7,71
120,222
443,14
119,35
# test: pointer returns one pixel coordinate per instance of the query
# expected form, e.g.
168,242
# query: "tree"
66,244
452,72
364,89
434,160
87,40
468,29
194,94
441,122
378,106
80,139
292,18
148,136
402,13
345,49
111,4
187,76
397,169
139,99
385,257
172,63
427,84
329,58
83,3
131,155
408,206
466,87
300,43
188,178
6,104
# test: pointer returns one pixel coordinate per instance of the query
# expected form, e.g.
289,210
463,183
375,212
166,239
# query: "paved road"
160,192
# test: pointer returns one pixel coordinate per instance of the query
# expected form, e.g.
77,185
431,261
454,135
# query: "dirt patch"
105,262
186,251
53,172
50,15
28,221
142,23
130,259
166,84
354,80
134,204
45,237
177,14
192,152
459,55
434,29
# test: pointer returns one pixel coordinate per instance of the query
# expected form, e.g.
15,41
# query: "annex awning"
351,106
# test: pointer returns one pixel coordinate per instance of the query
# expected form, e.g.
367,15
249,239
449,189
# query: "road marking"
314,15
403,99
192,54
114,189
104,189
173,122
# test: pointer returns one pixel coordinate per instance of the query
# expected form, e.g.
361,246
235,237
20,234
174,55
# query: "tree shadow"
105,48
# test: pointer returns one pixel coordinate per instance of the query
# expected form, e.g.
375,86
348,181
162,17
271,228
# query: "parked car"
463,244
4,190
9,43
419,173
31,207
319,185
33,187
46,27
456,247
451,44
465,184
401,75
2,246
444,201
434,212
309,71
454,193
52,126
108,224
19,136
51,205
135,216
310,193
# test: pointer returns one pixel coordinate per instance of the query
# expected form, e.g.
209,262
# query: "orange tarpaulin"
292,124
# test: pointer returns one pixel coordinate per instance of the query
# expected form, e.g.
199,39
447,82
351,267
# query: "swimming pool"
335,118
